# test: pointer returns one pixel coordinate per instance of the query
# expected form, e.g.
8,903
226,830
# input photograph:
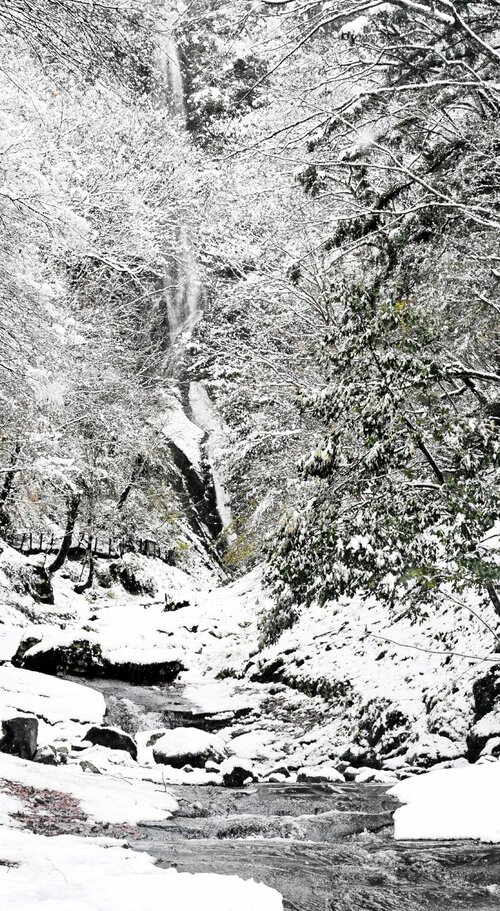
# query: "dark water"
143,708
324,847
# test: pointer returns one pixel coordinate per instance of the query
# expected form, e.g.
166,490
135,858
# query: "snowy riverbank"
232,715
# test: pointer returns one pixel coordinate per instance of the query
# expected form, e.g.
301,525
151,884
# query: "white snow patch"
48,697
450,804
184,434
102,798
79,875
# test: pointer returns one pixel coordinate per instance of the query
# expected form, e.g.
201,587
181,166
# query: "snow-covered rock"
188,746
236,772
103,798
258,745
91,656
319,775
61,706
112,738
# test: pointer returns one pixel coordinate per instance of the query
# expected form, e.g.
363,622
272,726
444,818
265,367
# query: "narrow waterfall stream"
204,495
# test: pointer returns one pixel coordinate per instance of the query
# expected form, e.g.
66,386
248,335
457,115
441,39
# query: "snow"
48,698
255,745
184,434
450,804
381,665
8,805
489,726
102,798
229,765
319,773
181,741
79,875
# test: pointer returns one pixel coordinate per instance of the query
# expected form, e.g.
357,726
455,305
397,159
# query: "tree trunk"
89,558
73,506
7,485
494,598
136,471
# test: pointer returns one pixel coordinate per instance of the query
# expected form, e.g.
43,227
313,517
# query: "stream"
325,847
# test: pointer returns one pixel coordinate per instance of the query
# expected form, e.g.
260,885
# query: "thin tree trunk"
89,558
494,598
7,484
73,506
136,472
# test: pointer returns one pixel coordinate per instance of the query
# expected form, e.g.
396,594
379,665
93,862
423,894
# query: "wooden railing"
30,542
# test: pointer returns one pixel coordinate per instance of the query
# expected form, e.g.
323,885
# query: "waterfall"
181,284
191,441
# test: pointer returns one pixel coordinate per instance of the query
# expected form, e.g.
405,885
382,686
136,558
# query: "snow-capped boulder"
188,746
255,745
26,578
88,657
20,736
113,739
319,775
485,729
492,747
236,772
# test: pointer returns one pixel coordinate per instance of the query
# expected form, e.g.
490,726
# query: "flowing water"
324,847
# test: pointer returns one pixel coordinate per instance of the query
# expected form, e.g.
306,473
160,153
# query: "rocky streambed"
324,846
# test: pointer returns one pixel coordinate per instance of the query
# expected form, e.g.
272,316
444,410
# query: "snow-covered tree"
407,473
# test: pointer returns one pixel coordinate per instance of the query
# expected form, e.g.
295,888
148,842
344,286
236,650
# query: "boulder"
113,739
83,658
47,755
188,746
319,775
484,730
486,692
236,772
130,571
492,748
28,579
20,736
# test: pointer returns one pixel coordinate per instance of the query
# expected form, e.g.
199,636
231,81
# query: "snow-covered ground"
450,804
400,689
349,693
81,875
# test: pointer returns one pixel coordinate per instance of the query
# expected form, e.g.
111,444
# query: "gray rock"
236,775
20,736
113,739
350,773
88,766
47,755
